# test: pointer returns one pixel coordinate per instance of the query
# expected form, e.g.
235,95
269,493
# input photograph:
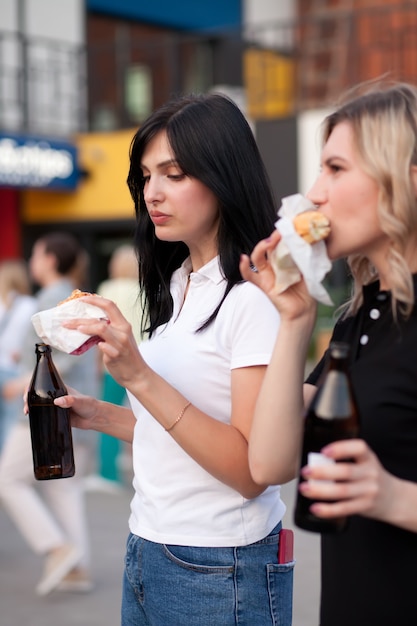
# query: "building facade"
77,78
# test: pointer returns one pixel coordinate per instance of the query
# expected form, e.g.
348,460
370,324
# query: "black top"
369,572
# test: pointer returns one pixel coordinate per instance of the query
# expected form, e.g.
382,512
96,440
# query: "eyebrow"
163,164
333,157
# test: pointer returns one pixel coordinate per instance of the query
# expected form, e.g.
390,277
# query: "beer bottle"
50,427
331,416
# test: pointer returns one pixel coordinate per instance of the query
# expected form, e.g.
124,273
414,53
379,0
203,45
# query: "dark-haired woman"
204,535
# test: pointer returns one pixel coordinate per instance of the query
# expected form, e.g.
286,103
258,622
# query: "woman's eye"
176,176
145,179
335,168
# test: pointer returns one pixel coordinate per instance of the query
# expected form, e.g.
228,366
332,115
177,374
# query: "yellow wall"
102,195
269,81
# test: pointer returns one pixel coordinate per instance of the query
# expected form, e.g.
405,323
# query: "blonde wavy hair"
384,123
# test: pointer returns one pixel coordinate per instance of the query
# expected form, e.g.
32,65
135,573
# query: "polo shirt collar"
371,290
211,270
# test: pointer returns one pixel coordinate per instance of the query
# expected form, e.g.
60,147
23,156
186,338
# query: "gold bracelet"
181,413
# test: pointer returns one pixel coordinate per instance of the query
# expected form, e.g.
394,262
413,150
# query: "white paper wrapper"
293,257
48,325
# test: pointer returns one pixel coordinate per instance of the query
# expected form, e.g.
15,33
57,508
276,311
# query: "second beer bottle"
50,427
331,416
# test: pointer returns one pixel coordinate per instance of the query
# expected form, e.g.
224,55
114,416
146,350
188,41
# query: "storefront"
30,162
96,205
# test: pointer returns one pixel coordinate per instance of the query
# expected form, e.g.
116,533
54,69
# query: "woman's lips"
158,218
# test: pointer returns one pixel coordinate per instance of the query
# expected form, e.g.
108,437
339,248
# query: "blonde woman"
367,188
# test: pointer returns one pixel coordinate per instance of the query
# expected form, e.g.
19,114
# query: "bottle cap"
339,349
42,347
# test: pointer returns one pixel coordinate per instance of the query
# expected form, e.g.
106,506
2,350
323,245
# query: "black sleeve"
314,376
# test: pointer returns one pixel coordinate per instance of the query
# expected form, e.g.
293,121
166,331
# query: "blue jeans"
170,585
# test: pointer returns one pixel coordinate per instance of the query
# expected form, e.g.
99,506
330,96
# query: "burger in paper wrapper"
301,251
48,324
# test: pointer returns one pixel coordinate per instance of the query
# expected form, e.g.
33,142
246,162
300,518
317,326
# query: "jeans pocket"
280,589
204,560
199,585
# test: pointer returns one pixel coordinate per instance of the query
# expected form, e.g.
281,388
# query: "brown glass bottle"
50,427
332,415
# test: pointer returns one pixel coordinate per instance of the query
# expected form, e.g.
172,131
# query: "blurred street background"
77,78
108,515
20,570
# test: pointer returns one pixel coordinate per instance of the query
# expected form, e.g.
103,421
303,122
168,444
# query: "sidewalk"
20,570
108,513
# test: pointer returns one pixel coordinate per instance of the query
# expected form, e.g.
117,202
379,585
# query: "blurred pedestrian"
17,306
51,515
121,286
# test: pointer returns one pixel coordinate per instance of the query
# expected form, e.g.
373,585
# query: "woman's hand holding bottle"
361,486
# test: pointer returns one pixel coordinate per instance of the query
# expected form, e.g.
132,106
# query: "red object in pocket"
285,546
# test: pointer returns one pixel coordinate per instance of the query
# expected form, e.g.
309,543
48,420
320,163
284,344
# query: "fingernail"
305,471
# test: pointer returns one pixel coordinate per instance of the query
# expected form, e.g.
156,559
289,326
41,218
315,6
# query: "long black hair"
212,142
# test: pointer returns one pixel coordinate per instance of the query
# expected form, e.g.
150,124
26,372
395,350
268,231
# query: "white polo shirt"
176,501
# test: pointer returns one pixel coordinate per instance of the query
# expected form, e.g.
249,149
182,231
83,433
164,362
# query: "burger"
312,226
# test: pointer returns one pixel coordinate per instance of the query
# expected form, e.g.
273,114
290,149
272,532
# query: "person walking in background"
17,305
51,515
203,547
367,188
122,286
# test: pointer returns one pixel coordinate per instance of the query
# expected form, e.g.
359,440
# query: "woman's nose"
316,193
152,191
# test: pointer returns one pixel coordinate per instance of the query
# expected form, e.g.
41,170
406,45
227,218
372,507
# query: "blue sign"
36,162
200,15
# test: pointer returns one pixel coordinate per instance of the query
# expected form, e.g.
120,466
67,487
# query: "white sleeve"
250,324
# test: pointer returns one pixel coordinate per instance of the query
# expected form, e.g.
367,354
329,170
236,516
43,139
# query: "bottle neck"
43,349
339,364
339,356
